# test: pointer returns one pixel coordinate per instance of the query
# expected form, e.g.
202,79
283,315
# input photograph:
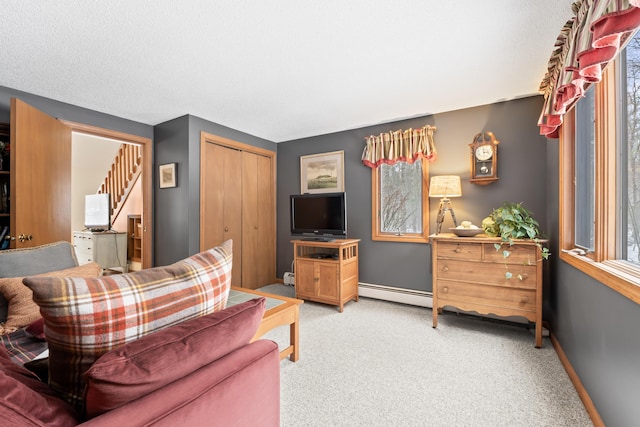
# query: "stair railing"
124,172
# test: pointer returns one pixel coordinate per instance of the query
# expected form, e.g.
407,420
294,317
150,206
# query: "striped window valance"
400,146
586,44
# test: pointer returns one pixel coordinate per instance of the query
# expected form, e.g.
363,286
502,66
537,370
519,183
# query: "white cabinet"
108,249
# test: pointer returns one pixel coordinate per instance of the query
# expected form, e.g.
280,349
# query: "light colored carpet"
382,364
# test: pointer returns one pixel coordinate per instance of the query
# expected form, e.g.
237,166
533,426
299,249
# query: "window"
629,172
585,174
400,210
600,177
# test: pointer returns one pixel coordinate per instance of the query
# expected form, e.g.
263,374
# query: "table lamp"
445,186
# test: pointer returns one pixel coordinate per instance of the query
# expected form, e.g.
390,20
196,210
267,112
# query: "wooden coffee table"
280,311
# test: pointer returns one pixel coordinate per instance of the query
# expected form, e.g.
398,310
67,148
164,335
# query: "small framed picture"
322,173
167,175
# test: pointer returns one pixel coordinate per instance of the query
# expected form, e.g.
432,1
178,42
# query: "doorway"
93,151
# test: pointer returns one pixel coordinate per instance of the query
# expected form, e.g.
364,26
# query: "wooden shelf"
5,185
134,231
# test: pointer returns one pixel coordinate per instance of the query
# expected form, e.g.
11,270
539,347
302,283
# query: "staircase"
124,173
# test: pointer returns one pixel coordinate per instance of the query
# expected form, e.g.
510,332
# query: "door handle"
23,237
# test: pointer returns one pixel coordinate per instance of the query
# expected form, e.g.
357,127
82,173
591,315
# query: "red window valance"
400,146
586,44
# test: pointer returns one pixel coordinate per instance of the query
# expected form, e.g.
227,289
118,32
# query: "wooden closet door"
258,237
266,261
237,197
221,206
250,249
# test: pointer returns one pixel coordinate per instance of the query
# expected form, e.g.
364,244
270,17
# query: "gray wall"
171,205
522,160
71,113
177,210
596,327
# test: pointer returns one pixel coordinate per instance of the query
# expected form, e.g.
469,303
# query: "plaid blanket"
22,347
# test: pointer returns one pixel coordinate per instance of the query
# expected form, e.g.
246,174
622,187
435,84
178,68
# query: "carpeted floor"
382,364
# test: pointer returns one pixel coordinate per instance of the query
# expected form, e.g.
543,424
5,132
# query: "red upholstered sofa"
222,379
204,371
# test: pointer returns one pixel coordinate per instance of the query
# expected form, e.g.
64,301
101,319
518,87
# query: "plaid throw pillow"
87,317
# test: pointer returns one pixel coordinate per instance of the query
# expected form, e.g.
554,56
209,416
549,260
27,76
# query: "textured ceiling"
279,70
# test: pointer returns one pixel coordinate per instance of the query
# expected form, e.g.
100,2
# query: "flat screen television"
97,212
321,216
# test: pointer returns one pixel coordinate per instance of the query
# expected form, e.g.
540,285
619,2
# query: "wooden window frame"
601,264
376,233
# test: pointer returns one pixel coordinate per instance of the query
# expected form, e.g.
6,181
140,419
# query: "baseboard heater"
401,295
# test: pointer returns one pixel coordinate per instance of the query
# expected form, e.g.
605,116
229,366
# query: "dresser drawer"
523,276
83,242
452,250
471,294
84,257
518,254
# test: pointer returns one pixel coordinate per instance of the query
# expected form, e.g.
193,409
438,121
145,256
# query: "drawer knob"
458,250
524,299
445,268
445,290
524,276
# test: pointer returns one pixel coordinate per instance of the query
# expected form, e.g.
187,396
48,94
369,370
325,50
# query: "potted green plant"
513,221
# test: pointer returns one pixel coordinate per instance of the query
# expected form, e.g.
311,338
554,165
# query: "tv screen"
322,215
97,212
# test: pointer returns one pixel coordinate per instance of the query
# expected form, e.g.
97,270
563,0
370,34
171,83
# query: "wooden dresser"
471,275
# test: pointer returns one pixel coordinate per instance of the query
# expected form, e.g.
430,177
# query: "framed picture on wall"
322,173
167,175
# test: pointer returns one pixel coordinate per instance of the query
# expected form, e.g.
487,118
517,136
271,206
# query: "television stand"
318,239
326,272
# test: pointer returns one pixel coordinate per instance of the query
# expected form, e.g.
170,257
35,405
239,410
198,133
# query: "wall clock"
484,158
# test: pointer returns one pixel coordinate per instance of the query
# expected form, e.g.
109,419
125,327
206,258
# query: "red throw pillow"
149,363
36,329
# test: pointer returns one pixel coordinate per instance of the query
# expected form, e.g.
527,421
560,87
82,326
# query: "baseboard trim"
401,295
573,376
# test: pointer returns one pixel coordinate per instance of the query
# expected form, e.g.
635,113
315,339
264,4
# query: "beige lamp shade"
445,186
